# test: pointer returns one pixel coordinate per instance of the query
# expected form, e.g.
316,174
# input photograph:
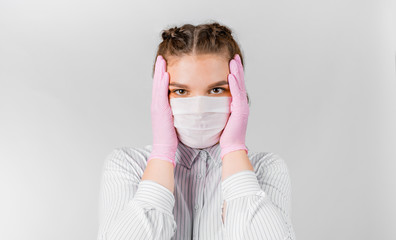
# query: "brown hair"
200,39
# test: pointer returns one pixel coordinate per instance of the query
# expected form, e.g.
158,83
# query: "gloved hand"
233,136
164,133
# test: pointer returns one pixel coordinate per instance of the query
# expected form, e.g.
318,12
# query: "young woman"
198,180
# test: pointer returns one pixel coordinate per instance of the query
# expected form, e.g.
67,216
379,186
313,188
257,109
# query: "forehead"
204,60
201,67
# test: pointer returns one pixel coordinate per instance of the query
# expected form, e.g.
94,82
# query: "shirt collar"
186,155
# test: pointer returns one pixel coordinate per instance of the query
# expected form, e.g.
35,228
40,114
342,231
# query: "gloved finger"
158,67
235,72
156,78
234,67
158,83
241,74
237,87
163,91
238,58
159,70
234,88
239,61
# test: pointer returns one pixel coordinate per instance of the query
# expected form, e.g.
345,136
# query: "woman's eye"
221,89
174,91
182,91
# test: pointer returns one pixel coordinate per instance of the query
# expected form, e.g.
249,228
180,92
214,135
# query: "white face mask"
199,120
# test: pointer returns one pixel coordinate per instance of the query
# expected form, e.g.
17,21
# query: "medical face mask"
200,120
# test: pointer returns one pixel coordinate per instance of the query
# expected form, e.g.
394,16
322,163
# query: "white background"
75,82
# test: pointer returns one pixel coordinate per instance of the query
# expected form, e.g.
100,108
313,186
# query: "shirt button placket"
196,207
203,154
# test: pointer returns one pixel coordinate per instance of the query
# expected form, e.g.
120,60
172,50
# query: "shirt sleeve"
130,208
258,209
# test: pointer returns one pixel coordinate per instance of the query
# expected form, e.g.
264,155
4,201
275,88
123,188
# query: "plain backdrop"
75,83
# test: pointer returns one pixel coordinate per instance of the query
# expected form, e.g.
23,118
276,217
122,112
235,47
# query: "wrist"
235,162
229,149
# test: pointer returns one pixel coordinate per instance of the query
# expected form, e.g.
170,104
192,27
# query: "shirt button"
199,175
196,207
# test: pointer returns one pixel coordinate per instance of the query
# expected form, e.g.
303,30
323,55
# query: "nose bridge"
200,103
199,86
202,91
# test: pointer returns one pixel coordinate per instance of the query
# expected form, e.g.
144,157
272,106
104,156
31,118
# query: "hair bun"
221,30
170,33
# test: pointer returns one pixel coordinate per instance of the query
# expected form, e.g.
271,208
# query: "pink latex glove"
233,136
164,133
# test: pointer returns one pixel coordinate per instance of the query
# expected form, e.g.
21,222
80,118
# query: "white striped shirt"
258,202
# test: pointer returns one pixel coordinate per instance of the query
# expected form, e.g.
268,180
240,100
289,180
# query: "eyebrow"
220,83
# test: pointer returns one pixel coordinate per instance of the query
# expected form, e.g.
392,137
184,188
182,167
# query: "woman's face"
198,75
